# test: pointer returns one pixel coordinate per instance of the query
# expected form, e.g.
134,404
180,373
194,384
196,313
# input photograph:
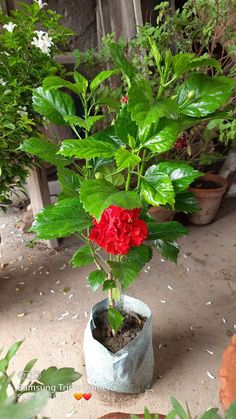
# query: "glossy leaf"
80,80
107,135
69,181
207,94
101,77
58,377
109,173
96,195
180,174
125,126
126,159
115,318
165,138
167,249
168,231
96,278
54,105
117,52
87,149
55,82
157,188
184,62
60,220
45,150
82,257
83,123
140,99
186,202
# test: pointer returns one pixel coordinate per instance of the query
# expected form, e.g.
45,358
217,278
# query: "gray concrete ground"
193,305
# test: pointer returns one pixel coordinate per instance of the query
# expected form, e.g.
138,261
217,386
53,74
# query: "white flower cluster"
42,41
22,111
2,82
40,3
9,26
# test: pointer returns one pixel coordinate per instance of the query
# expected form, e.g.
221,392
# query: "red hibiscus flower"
124,99
180,143
119,229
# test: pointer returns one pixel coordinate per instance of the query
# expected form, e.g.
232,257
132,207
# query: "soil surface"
131,327
47,303
205,184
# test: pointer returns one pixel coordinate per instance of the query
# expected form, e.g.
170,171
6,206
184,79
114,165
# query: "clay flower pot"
161,214
208,199
228,375
118,415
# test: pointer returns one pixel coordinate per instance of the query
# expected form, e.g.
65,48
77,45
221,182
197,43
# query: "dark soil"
205,184
131,327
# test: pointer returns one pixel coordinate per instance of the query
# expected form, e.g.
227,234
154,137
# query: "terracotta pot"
162,215
208,199
118,415
227,375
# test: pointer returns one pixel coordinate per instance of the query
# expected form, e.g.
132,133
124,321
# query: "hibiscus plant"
110,177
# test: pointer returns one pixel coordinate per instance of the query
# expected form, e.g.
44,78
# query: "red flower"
180,143
119,229
124,99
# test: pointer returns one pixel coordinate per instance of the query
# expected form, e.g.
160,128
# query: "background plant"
30,39
43,385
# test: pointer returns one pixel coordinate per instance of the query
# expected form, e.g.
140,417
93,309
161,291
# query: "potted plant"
105,201
30,39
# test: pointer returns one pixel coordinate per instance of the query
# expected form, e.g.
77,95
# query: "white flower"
22,111
9,26
40,3
2,82
43,41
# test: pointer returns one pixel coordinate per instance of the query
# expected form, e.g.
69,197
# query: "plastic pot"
161,214
208,199
130,370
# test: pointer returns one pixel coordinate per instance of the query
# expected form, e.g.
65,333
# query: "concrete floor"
196,316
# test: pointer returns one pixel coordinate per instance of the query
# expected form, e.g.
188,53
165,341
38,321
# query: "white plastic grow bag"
130,370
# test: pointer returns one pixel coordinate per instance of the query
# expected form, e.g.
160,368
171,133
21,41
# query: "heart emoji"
87,396
78,396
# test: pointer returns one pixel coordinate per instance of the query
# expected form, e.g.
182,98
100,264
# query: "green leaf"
126,159
132,263
231,412
109,173
24,410
139,102
83,123
168,249
207,94
115,318
107,135
70,183
179,409
180,174
157,188
184,62
54,105
3,365
101,77
212,414
189,122
87,149
53,376
108,285
186,202
13,349
55,82
45,150
124,125
27,370
81,81
165,138
117,53
166,231
4,383
82,257
60,220
96,278
96,195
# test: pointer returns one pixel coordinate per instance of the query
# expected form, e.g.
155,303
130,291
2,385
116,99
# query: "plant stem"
127,185
141,169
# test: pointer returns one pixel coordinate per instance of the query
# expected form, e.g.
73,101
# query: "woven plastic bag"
130,370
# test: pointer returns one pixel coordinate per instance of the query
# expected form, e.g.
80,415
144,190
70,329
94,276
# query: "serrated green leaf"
87,149
180,174
54,105
55,82
96,278
96,195
45,150
168,249
83,123
82,257
70,183
101,77
80,80
157,188
117,52
139,103
126,159
58,378
184,62
165,137
186,202
115,318
60,220
124,125
109,173
168,231
209,94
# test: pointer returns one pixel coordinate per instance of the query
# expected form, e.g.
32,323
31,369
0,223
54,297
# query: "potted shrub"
105,200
